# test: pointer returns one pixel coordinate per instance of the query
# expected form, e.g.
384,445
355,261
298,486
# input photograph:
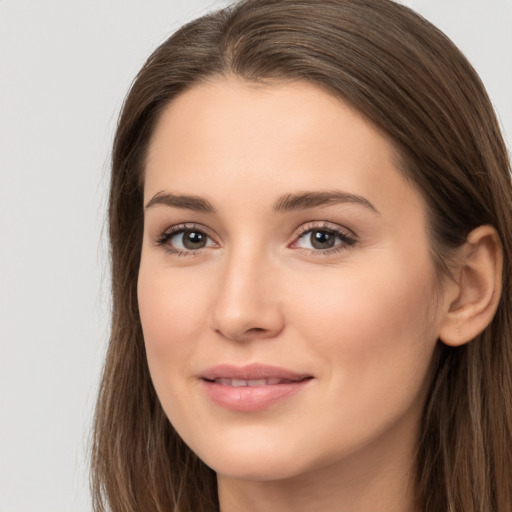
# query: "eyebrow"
304,200
286,203
185,202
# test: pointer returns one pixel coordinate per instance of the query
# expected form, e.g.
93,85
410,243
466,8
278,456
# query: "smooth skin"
342,288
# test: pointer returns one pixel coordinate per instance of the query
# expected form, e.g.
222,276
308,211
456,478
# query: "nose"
247,304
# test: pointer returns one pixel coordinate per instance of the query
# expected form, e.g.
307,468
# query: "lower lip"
251,398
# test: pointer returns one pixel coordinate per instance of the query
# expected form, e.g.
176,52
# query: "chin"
255,461
261,470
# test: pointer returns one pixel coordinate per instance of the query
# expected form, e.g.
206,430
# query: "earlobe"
477,288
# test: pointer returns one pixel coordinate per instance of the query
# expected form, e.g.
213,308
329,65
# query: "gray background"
65,66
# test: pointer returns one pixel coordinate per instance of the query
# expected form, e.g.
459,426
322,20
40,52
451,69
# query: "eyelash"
164,238
346,239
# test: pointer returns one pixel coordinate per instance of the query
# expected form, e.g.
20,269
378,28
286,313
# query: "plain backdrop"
65,66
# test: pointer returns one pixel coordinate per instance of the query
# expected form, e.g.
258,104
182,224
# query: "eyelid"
163,237
323,224
347,236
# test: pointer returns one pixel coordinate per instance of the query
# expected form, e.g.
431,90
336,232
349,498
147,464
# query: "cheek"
172,315
371,337
377,327
386,296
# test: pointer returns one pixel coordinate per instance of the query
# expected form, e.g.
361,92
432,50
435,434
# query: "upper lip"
252,371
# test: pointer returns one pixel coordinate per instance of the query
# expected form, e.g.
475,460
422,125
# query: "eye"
323,239
190,240
183,239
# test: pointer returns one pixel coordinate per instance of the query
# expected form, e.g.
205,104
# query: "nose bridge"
245,306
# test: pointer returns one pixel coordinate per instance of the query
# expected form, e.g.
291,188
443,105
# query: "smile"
251,388
252,382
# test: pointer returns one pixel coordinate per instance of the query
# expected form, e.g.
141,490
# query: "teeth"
251,382
257,382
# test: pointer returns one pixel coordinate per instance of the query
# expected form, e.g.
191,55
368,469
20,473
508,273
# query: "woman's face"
286,291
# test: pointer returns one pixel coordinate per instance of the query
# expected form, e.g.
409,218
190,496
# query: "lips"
251,388
251,382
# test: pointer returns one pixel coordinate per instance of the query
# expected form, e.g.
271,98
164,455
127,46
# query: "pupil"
322,239
194,240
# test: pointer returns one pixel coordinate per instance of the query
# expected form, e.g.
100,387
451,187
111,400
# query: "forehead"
229,134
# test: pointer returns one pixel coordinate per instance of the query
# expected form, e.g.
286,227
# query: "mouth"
255,374
237,383
253,387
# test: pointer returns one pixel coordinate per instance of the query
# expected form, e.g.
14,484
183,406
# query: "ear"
473,299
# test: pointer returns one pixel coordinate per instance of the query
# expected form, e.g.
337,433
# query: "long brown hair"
405,76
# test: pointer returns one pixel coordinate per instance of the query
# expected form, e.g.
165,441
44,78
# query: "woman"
310,226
